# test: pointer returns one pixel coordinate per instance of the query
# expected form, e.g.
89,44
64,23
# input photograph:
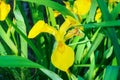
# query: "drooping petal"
4,10
81,7
62,57
40,27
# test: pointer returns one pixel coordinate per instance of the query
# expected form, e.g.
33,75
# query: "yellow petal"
67,5
56,13
4,10
98,14
40,27
81,7
69,22
62,57
72,33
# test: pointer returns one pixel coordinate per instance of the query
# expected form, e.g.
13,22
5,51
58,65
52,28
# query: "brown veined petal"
74,32
40,27
62,57
4,10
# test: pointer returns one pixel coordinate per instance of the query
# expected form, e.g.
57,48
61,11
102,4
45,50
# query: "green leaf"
21,25
107,24
108,52
16,61
114,62
36,51
94,45
80,78
53,5
79,53
110,31
92,11
111,73
7,40
2,50
116,11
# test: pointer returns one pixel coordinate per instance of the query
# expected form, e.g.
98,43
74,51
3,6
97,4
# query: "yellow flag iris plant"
4,10
63,55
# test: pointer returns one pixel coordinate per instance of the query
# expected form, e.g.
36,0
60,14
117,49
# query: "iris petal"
62,57
69,22
40,27
4,10
81,7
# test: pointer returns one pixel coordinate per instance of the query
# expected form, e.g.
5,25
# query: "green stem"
68,74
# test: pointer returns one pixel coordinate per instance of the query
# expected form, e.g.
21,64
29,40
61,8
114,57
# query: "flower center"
61,47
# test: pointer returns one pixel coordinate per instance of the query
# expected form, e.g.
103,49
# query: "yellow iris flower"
4,10
63,55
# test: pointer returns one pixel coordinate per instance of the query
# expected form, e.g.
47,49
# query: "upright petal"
69,22
81,7
40,27
62,57
4,10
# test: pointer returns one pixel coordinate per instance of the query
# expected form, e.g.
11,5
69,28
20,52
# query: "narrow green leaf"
93,47
75,40
8,41
116,11
79,53
2,50
110,31
111,73
80,78
92,11
16,61
92,67
36,51
114,62
108,52
107,24
21,25
95,34
52,18
53,5
51,74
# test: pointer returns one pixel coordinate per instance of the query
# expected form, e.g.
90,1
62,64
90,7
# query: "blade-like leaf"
111,70
107,24
16,61
21,25
110,31
51,4
36,51
7,40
